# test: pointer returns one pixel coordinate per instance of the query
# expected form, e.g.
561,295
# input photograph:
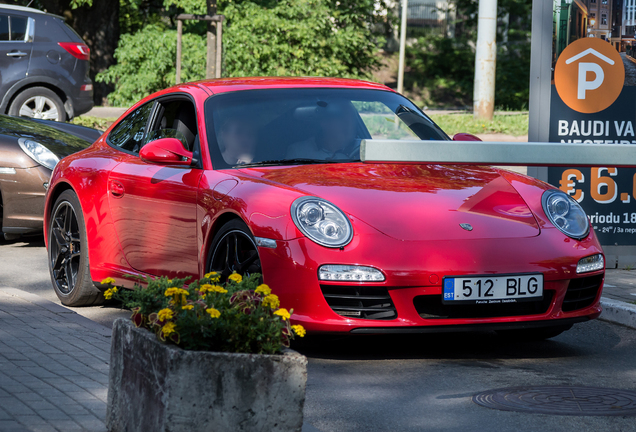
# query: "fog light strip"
590,264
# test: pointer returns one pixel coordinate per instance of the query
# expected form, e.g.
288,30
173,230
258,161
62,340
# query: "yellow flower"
108,294
299,330
263,289
164,314
187,307
213,276
217,289
108,281
235,277
271,301
283,314
168,329
173,291
213,312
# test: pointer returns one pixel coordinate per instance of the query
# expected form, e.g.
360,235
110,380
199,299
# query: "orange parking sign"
589,75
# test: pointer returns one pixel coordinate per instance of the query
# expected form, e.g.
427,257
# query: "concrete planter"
159,387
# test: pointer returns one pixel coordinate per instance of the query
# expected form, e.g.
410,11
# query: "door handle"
16,54
116,189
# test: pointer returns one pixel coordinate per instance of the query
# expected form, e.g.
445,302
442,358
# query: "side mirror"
465,137
166,151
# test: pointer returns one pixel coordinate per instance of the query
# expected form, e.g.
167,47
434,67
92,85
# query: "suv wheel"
39,103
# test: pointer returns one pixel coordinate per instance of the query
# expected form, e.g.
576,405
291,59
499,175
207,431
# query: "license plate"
493,289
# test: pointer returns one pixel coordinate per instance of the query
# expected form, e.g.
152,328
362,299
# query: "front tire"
39,103
234,250
68,254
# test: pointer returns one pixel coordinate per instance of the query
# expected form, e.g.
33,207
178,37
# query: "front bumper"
414,273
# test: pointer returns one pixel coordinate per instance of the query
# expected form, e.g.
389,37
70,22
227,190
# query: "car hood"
416,202
60,143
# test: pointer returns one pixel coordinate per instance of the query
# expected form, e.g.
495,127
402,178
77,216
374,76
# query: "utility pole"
210,68
485,60
400,87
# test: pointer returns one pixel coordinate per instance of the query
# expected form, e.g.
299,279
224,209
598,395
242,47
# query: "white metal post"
400,87
485,60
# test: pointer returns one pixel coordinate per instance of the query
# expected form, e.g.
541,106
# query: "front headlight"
322,222
566,214
39,153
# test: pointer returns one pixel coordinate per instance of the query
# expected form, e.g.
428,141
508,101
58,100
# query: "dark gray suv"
44,66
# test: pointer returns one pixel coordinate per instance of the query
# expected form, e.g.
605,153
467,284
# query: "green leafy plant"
260,38
146,63
241,316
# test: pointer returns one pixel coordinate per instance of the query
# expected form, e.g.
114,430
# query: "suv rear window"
12,28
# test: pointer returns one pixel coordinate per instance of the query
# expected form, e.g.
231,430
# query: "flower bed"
242,316
204,356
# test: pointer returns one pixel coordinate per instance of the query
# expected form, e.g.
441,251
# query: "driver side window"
129,134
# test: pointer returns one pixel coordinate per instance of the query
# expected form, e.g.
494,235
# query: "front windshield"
298,126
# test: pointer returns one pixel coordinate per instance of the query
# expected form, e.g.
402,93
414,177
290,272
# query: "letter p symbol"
584,84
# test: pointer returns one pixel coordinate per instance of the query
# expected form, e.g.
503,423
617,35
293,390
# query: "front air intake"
581,293
362,302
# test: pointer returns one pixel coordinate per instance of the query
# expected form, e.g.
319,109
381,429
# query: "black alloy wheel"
234,250
68,254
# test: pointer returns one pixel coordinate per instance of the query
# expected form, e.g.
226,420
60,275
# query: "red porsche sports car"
264,175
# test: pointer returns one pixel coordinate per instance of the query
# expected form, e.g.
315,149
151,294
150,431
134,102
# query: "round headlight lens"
322,222
566,214
38,153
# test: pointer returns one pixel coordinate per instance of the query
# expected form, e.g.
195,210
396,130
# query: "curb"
59,310
618,312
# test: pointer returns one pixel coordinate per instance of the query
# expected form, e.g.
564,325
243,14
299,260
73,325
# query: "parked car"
263,175
44,67
29,150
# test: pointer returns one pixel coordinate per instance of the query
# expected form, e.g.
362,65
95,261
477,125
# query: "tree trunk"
98,25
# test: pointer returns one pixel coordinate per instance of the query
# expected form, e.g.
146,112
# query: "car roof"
21,8
223,85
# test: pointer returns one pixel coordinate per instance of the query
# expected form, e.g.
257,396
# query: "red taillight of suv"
77,50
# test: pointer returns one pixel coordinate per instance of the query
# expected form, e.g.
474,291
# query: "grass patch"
98,123
509,124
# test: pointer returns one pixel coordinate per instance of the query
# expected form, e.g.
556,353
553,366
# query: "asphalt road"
419,383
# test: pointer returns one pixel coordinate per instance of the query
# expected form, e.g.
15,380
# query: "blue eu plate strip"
449,289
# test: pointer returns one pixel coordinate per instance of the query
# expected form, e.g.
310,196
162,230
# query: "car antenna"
29,3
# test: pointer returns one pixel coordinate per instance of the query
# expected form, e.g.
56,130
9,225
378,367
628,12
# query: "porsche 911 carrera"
264,175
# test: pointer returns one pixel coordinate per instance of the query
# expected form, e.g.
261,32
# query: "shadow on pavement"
24,241
459,346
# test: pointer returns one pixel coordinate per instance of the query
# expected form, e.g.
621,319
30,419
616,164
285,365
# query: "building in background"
599,20
627,25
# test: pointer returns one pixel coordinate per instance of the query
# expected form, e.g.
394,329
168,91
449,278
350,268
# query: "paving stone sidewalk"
53,366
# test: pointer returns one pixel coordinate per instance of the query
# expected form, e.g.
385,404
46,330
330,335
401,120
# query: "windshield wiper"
294,161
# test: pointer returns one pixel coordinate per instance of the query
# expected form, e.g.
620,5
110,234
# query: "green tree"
261,37
441,69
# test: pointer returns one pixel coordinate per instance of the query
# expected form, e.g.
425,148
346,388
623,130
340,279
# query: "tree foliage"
147,63
297,37
441,69
260,38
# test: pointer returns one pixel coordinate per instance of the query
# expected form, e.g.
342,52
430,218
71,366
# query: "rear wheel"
533,334
39,103
234,250
68,254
